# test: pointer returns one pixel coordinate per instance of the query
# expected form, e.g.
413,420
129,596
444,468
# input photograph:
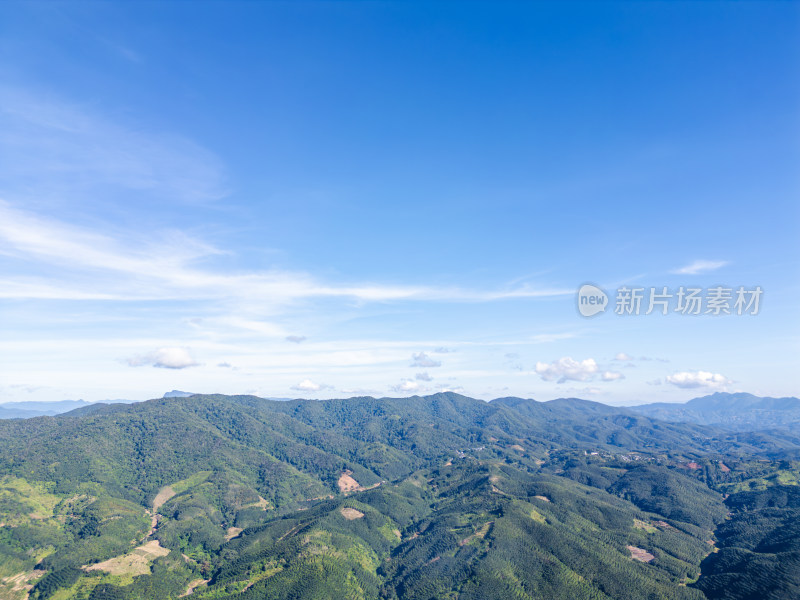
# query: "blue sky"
324,199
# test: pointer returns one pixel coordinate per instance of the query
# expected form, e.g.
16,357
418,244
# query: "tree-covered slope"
435,497
759,557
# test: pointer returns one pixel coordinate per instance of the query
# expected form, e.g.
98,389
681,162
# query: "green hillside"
436,497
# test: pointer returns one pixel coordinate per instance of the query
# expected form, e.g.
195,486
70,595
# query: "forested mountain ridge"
441,496
739,411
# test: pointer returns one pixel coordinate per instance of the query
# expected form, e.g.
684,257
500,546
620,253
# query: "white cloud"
457,389
612,376
700,266
698,379
420,359
623,357
296,339
164,266
423,377
407,386
309,386
165,358
567,369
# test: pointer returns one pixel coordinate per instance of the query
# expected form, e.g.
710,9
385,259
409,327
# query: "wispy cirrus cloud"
700,266
49,145
166,266
67,176
55,151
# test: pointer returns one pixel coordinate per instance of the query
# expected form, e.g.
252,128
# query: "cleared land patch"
537,516
639,524
181,486
164,494
262,503
39,503
479,534
18,586
136,562
347,484
351,513
193,585
640,554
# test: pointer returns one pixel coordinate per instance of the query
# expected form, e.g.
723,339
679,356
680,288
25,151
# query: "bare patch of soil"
18,586
136,562
640,554
163,495
193,585
351,513
347,484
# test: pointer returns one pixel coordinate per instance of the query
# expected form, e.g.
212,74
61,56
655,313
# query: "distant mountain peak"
179,394
740,411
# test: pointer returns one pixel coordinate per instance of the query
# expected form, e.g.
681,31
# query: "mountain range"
441,496
26,410
740,411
